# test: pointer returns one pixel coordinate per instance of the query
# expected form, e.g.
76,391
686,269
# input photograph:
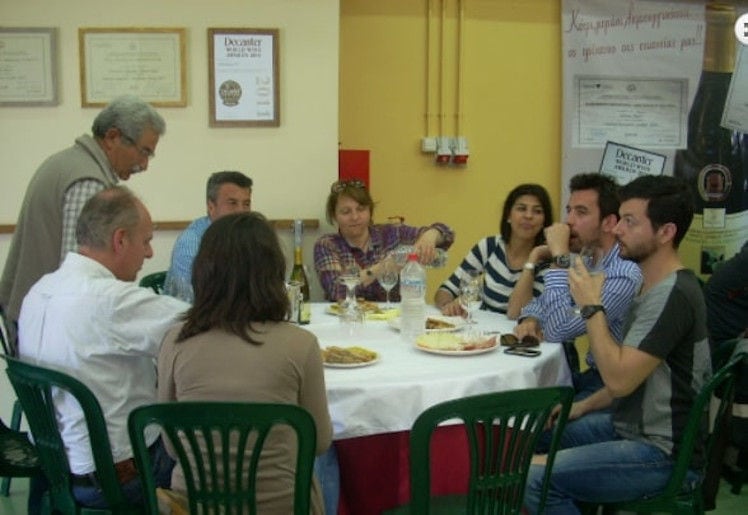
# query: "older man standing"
227,192
125,135
107,333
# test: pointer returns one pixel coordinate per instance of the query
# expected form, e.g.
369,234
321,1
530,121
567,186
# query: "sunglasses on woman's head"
339,186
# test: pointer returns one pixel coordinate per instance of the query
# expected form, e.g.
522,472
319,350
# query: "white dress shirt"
106,333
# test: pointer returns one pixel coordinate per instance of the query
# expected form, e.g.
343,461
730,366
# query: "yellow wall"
511,107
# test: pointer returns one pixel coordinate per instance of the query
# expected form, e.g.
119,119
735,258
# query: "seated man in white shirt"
107,333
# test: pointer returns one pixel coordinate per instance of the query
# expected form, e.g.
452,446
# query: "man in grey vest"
124,138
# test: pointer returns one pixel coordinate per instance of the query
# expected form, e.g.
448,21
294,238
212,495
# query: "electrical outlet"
428,144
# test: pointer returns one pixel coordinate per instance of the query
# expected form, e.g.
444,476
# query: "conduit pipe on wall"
460,149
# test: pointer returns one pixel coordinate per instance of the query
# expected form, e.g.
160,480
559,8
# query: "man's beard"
639,253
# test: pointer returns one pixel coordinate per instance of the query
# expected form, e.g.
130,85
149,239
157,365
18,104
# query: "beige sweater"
286,368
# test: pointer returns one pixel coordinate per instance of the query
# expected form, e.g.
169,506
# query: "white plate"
352,365
380,314
457,322
439,344
457,352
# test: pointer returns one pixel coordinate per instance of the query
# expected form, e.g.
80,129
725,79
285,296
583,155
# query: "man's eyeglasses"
339,186
143,151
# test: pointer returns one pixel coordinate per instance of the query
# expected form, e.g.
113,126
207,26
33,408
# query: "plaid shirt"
332,253
76,196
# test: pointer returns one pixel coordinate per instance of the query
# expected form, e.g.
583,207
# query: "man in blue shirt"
591,216
227,192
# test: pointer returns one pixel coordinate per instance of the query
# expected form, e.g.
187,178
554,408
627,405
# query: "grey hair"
110,209
226,177
131,116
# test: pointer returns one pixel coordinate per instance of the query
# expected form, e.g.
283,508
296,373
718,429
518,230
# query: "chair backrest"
34,387
205,435
155,281
502,430
724,380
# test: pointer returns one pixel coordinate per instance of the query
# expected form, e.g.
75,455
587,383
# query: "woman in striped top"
503,258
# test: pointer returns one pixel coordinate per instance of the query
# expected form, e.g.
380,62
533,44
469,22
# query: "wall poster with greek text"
632,73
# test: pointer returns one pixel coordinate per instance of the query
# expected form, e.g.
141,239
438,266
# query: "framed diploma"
28,66
243,83
146,62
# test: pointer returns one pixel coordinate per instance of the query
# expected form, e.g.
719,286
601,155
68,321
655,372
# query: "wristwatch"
562,261
529,266
591,309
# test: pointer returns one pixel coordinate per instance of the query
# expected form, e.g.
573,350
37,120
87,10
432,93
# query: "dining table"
374,404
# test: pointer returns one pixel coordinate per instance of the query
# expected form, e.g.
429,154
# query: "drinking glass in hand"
388,278
592,257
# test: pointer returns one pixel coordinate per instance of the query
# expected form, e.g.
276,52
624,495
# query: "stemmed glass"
471,293
350,277
388,278
592,256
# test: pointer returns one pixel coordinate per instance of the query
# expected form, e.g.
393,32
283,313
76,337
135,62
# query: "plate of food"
348,357
451,344
435,324
372,310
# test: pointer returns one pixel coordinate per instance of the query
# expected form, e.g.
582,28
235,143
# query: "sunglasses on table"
510,340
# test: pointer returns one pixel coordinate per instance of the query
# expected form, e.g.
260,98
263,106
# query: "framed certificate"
28,66
243,78
146,62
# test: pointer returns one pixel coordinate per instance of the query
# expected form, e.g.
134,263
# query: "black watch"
562,261
591,309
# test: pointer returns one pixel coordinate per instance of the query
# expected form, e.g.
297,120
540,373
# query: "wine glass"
471,293
388,278
592,257
350,277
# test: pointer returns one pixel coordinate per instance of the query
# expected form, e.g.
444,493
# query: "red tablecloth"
374,470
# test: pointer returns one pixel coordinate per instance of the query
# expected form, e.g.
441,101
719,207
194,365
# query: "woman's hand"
425,245
453,308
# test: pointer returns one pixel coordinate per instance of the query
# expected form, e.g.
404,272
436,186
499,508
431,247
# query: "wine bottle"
716,160
299,274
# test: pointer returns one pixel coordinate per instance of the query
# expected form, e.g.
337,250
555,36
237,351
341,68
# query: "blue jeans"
328,475
596,465
93,497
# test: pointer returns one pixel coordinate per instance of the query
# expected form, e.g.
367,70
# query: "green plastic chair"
502,430
674,499
18,457
203,434
33,385
154,281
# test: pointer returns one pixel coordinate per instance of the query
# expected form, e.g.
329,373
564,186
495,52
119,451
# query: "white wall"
292,166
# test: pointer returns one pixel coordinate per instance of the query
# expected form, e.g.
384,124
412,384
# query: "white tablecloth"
388,395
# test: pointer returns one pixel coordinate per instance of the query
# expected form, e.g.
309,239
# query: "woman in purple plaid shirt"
361,242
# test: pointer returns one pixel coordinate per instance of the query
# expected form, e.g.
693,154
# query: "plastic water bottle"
412,299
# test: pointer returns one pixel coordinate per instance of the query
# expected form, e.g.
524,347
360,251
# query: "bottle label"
714,182
712,238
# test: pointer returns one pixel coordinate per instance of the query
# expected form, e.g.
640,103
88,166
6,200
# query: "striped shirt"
552,309
489,256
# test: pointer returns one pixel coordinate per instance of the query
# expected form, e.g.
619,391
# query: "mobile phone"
522,351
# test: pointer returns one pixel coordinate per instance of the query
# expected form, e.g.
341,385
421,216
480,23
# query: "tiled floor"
727,503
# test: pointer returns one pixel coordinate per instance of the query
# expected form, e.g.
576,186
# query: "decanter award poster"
244,73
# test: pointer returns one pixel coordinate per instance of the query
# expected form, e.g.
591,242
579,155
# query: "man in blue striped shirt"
591,216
